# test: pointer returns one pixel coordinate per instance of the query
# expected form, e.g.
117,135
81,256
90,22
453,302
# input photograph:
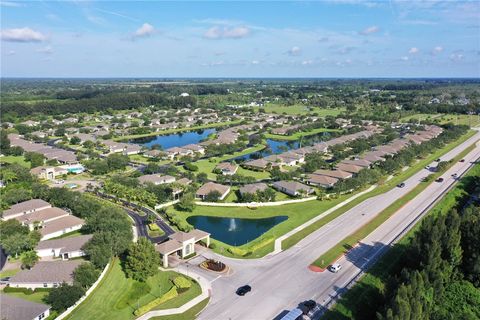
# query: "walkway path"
278,241
206,290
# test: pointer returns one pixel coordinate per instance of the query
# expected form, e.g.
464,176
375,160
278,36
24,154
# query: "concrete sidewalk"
206,291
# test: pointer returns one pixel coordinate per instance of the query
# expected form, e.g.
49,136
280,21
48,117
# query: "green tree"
213,196
142,260
29,258
75,140
186,203
35,159
117,161
85,275
64,296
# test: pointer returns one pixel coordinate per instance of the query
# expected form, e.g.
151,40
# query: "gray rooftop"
13,308
48,272
66,244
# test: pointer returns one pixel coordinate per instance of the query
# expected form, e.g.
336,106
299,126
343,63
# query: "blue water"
273,147
174,140
234,231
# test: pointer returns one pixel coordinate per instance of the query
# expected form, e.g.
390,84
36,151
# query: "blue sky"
330,38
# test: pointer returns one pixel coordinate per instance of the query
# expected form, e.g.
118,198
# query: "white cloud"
255,62
413,50
457,56
11,53
294,51
307,62
370,30
11,4
22,35
46,50
437,50
404,58
227,32
145,30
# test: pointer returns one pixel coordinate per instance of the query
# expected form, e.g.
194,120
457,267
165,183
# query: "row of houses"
49,152
297,156
346,169
39,215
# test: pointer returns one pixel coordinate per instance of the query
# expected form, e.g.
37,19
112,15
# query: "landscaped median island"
119,297
349,242
386,186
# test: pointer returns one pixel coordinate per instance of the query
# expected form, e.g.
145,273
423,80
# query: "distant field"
300,109
15,159
299,134
470,120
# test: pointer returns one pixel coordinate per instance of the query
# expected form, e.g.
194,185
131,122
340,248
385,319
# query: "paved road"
282,281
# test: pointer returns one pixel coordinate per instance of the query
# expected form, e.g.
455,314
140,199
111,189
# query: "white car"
335,267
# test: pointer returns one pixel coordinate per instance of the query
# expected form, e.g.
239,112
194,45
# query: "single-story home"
13,308
24,208
293,188
358,162
252,188
338,174
60,227
45,274
65,248
227,168
209,187
40,217
181,244
321,181
156,179
349,168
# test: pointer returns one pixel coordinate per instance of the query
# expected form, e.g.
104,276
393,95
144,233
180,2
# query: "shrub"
153,227
172,293
237,251
212,245
182,282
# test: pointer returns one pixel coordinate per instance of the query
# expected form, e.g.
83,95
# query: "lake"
234,231
175,139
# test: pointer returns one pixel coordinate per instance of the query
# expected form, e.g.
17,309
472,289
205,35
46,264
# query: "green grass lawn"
15,159
9,273
369,290
298,135
34,297
442,118
117,296
346,244
154,230
190,314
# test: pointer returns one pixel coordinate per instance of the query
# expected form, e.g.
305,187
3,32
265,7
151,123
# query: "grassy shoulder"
117,296
298,135
382,188
187,315
358,302
346,244
169,131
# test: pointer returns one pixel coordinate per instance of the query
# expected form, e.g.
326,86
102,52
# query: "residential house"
209,187
252,188
64,248
24,208
321,181
13,308
349,168
45,274
227,168
156,179
337,174
48,173
293,188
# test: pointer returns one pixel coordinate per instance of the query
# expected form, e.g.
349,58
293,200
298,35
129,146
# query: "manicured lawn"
190,314
169,131
154,230
300,134
34,297
370,288
294,239
117,296
15,159
346,244
9,273
69,235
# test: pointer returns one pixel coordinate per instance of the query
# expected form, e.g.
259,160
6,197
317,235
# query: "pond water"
234,231
175,139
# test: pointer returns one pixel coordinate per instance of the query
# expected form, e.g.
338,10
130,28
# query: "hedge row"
172,293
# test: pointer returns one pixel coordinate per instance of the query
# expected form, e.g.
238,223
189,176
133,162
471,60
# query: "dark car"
309,304
439,180
244,290
438,160
463,160
401,185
